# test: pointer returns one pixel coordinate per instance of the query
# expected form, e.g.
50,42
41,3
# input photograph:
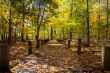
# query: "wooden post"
106,57
68,43
4,58
69,38
79,46
37,41
29,47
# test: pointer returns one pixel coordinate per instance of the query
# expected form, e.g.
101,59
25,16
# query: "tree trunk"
63,34
64,42
15,35
22,33
51,33
69,38
107,22
37,38
2,30
88,35
99,24
10,26
70,34
44,35
2,37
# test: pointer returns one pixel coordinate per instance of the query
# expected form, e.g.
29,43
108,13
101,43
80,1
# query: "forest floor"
52,57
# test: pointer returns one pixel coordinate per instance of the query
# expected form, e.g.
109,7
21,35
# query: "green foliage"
44,14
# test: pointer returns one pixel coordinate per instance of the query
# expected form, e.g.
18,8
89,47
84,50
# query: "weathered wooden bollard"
106,57
69,43
79,46
29,47
4,58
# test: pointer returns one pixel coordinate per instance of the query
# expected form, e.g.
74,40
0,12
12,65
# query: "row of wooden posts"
4,55
105,54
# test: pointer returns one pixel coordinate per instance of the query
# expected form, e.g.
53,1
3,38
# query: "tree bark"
51,33
88,34
107,22
63,33
2,30
38,28
2,37
10,26
69,38
99,24
15,36
37,38
22,33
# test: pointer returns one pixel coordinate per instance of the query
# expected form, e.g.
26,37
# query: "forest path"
54,57
54,43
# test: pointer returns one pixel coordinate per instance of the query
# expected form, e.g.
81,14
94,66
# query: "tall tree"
107,22
10,23
88,24
23,17
99,22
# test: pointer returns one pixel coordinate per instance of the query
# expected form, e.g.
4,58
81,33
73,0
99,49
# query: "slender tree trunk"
2,37
99,24
15,35
107,23
38,28
2,31
88,35
22,33
51,33
63,34
70,34
69,38
43,40
37,38
48,33
10,26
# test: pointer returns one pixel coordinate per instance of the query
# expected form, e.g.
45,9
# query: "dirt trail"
54,57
